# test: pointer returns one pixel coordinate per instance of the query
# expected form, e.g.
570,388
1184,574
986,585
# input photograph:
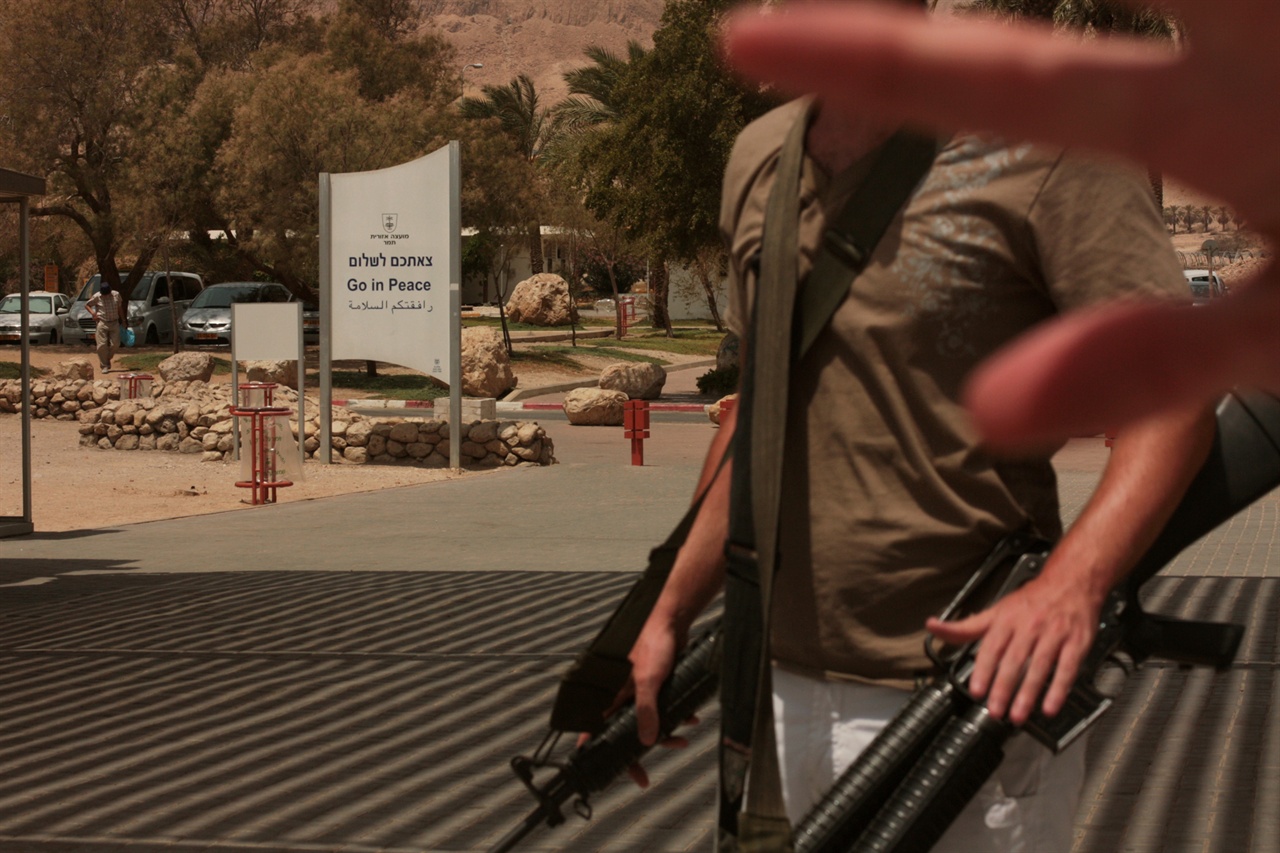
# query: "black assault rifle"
909,785
914,779
591,767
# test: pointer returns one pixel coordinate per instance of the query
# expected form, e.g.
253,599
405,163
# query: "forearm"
1039,634
1151,465
698,574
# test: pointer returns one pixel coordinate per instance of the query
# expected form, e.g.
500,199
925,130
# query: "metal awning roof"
15,186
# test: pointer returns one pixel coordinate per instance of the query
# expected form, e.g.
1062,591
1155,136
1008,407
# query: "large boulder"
486,366
187,367
280,372
74,368
638,380
594,407
727,352
541,300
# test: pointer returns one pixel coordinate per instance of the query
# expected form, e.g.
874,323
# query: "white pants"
1028,806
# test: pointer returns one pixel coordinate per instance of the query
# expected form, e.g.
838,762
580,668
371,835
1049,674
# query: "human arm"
696,578
1039,634
1114,365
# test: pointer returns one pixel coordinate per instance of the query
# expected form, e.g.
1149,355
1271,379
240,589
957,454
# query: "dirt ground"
75,487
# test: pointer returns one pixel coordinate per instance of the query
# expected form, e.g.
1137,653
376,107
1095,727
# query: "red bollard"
628,312
727,405
635,426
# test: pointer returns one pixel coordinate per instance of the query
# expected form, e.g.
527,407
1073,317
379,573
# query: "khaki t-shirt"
888,501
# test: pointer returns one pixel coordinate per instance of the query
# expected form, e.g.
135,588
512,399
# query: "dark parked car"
208,320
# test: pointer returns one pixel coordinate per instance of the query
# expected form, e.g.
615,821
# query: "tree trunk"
535,248
659,285
702,265
617,303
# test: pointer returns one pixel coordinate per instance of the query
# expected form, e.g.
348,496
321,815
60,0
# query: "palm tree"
592,104
516,108
592,88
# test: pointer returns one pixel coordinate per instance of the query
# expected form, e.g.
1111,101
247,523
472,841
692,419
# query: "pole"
325,451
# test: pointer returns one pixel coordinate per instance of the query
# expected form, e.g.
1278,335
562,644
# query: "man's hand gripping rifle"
915,778
591,767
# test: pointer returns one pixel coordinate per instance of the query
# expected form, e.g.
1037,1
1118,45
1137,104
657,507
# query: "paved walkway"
352,674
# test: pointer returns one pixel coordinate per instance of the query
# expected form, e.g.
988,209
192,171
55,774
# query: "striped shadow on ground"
261,711
304,711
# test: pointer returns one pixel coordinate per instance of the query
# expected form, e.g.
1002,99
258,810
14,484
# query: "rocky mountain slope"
541,38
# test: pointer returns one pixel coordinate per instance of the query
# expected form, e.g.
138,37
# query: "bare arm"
1039,635
696,578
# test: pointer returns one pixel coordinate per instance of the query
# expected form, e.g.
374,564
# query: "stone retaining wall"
195,417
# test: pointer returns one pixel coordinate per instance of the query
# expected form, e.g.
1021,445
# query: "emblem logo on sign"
389,221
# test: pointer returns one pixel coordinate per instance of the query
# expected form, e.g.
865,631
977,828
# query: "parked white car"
1204,286
46,311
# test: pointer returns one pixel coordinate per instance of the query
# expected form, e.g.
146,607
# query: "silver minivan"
150,314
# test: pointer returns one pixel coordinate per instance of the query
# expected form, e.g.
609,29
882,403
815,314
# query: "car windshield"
140,291
12,304
221,296
1200,291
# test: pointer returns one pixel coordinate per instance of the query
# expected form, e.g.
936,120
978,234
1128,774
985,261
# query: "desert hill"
541,38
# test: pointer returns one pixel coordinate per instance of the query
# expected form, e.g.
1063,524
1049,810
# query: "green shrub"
718,382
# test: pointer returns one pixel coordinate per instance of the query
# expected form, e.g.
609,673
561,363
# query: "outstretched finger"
964,73
1102,369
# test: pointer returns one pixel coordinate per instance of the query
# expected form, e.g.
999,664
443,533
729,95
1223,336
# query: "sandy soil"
75,487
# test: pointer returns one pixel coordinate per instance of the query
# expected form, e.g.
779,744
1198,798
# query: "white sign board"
266,331
391,244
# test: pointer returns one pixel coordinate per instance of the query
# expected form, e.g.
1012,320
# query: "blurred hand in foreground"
1107,367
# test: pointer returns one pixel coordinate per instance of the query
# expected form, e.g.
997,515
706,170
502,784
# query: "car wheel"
153,337
53,337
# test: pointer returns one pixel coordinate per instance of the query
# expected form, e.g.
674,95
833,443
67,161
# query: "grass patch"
10,370
496,323
149,362
557,357
391,386
690,342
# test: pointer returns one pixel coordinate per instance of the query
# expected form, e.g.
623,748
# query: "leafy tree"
518,110
378,40
499,196
239,154
654,169
72,74
231,33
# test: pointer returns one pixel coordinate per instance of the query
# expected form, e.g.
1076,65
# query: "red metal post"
263,477
635,426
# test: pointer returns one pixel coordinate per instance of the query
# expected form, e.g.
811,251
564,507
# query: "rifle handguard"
965,754
838,818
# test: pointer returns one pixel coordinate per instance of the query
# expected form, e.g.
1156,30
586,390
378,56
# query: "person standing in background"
106,308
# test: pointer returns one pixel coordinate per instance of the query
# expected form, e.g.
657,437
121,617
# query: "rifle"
591,767
913,780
